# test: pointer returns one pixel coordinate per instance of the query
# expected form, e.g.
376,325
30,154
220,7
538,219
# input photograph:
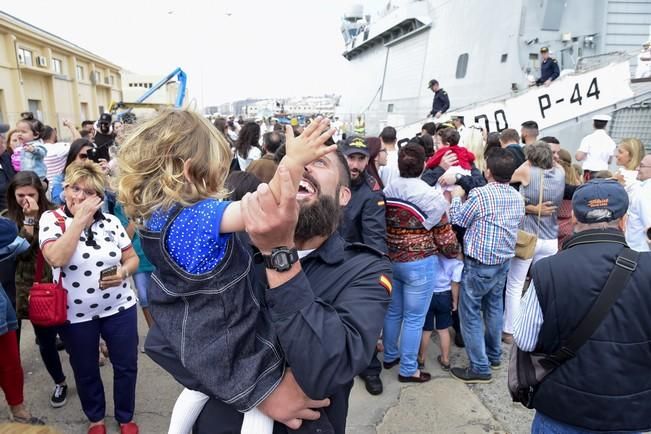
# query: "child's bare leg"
424,343
444,344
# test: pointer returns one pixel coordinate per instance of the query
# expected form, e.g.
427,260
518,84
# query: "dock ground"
443,405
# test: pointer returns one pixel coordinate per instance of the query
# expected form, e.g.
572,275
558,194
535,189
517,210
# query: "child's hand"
28,148
308,147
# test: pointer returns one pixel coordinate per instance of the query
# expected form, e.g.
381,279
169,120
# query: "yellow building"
51,77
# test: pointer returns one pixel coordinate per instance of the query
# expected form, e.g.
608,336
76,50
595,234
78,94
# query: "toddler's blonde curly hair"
177,157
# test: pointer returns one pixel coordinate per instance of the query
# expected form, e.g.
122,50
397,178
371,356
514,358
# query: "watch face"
281,261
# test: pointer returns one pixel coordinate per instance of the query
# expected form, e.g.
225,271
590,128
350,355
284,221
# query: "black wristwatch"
281,258
457,177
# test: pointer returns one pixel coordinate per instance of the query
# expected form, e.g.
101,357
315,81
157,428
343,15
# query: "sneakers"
59,395
496,365
469,377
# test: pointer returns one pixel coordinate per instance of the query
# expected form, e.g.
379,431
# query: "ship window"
462,65
504,57
390,108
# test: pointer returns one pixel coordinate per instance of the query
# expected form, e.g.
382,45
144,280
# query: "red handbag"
48,301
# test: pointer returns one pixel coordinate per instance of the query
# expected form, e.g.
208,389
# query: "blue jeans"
545,425
142,281
481,304
413,283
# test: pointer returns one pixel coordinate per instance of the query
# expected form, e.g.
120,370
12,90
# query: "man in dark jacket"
606,386
364,222
441,102
549,70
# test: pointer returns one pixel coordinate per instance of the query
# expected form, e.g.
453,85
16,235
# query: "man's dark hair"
411,159
509,135
344,171
84,134
388,135
530,125
429,127
84,123
426,142
239,183
502,164
550,139
599,125
433,82
492,143
272,141
450,136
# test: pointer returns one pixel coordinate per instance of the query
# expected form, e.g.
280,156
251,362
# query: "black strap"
625,265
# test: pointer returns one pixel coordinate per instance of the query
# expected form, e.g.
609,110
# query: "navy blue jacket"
607,386
441,102
549,70
365,215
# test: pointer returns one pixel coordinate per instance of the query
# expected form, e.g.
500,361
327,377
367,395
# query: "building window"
390,108
25,57
57,66
112,80
504,57
80,73
462,65
98,76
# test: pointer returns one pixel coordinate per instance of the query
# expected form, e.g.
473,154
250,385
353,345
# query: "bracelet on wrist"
29,221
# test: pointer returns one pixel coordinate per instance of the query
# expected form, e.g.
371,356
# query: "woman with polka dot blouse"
95,258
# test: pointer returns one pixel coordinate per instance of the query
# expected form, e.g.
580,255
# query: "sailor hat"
604,118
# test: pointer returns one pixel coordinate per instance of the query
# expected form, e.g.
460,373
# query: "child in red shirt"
450,142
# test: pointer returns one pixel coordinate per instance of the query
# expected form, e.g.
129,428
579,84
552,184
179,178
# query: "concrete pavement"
443,405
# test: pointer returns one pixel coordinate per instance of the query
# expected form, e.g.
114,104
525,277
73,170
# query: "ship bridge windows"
462,65
504,57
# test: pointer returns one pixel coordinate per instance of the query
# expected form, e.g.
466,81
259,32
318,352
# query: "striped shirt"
55,160
553,189
527,325
492,215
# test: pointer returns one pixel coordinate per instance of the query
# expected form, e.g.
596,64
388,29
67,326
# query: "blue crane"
128,116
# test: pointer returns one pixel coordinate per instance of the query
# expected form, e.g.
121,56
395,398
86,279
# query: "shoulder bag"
525,244
528,370
48,301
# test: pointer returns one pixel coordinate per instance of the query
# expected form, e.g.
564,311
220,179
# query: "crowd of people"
274,264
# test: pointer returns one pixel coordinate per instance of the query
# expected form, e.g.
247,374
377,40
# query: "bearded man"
326,301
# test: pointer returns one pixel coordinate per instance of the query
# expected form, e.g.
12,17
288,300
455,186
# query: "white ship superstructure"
484,54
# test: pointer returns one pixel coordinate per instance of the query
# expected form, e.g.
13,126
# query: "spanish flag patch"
386,283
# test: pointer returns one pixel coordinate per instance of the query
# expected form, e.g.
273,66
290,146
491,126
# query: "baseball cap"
599,200
4,128
355,145
105,118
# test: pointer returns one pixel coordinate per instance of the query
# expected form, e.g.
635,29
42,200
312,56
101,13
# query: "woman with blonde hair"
93,256
474,141
629,154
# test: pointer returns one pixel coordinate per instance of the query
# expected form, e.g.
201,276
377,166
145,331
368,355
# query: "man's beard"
319,219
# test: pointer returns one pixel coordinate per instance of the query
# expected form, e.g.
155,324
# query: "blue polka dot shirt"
193,240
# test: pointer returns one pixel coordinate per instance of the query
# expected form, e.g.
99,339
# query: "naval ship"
486,55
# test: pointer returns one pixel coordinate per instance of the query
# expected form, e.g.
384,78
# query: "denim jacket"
8,319
35,160
213,322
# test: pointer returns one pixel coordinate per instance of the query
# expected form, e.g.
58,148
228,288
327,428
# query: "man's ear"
344,196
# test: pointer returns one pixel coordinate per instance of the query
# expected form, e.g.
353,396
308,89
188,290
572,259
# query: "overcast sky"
230,49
